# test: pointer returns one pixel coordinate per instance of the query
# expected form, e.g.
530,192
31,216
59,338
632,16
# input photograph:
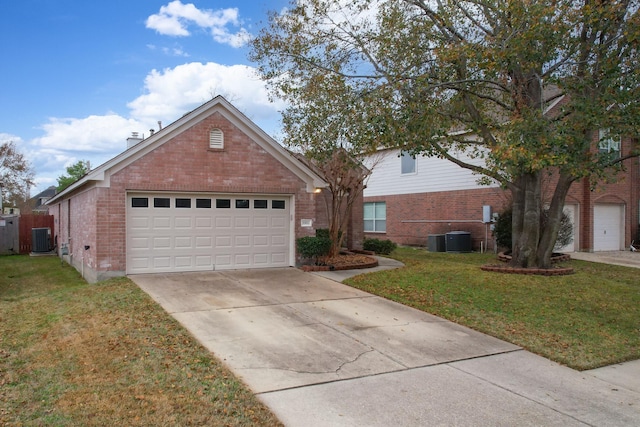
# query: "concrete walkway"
622,258
320,353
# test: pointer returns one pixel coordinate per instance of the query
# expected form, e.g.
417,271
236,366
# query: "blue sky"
79,76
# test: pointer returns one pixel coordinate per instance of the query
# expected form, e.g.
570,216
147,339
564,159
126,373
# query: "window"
216,139
161,202
223,203
375,217
183,203
407,163
608,144
203,203
259,204
242,204
139,202
277,204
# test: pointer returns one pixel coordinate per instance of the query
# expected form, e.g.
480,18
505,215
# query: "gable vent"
216,139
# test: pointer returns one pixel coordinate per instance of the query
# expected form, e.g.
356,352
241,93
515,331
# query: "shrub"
313,247
502,229
384,247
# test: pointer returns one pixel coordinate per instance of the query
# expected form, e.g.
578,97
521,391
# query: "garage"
195,232
608,227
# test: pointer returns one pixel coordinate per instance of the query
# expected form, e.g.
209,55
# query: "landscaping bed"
348,261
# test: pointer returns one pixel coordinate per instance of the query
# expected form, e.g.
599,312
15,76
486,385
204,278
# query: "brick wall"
97,215
411,218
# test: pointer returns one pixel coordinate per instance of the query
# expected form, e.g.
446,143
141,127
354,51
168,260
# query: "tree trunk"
527,210
554,218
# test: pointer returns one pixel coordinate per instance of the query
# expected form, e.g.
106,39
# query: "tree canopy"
74,173
16,175
515,91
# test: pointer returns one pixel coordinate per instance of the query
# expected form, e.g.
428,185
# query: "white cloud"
93,134
175,18
168,94
174,91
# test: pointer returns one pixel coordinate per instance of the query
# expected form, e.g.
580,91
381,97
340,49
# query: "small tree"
75,172
16,175
345,176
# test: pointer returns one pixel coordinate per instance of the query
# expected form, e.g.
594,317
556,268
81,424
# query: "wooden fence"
27,223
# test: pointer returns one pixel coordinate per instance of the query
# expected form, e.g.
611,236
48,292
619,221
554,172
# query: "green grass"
584,320
75,354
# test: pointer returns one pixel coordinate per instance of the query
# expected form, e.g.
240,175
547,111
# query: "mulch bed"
554,271
350,261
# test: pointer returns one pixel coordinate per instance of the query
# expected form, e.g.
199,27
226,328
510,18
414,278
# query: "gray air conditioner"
41,239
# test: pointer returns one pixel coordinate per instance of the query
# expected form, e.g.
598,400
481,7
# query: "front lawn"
75,354
584,320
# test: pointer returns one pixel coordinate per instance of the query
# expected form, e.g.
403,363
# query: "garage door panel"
204,260
183,222
183,242
161,243
278,240
260,240
261,259
140,223
279,222
242,222
204,223
241,260
207,235
183,261
204,242
161,262
222,260
140,243
242,241
223,241
278,257
161,222
260,222
223,222
141,263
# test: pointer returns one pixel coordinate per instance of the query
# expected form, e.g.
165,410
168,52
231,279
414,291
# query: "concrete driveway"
320,353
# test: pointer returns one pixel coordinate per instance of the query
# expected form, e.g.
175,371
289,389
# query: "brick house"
407,199
210,191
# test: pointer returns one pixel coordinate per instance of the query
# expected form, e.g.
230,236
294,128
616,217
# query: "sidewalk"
622,258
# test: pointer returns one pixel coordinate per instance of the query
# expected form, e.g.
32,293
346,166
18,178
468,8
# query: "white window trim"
374,218
404,154
608,144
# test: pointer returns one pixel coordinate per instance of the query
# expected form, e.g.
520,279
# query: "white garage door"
608,229
187,232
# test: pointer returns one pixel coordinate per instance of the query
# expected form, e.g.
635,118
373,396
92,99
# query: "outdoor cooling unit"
458,241
40,240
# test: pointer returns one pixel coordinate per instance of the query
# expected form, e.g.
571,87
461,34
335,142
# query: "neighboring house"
407,199
211,191
38,202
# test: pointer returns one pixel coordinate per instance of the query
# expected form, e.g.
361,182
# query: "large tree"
515,90
75,172
16,175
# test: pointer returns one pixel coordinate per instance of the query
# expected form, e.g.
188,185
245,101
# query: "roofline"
103,172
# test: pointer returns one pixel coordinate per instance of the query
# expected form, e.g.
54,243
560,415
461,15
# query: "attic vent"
216,139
